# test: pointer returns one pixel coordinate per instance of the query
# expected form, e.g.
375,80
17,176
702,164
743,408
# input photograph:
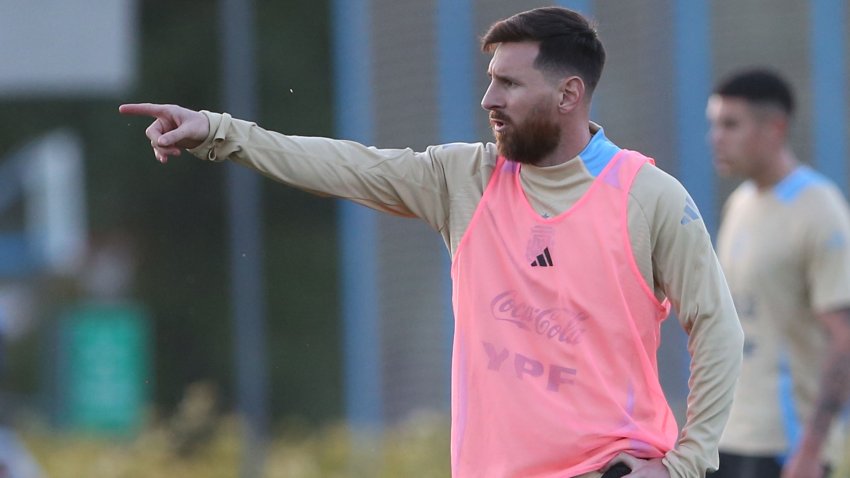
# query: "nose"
714,136
492,99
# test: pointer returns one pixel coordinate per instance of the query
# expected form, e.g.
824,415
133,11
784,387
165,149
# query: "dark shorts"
738,466
617,471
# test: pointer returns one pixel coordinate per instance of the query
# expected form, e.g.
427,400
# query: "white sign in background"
62,48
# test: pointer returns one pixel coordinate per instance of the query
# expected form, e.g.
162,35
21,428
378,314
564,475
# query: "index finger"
143,109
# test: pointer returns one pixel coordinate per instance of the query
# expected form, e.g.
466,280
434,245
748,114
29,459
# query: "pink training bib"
554,366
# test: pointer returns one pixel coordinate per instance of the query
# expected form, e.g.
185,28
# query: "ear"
778,126
783,127
571,91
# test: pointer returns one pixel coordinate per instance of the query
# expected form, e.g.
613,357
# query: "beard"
530,141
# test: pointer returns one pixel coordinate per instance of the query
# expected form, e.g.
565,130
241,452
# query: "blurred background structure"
101,245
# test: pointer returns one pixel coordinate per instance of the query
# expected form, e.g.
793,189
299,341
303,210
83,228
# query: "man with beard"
567,252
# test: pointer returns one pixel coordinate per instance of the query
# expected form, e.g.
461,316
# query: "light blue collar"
598,153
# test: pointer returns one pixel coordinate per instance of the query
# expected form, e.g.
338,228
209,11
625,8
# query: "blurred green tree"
176,213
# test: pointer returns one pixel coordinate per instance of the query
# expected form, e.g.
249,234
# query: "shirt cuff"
219,126
681,464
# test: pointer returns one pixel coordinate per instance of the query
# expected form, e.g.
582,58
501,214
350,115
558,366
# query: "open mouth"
498,124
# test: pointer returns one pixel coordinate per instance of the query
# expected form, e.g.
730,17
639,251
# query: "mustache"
497,116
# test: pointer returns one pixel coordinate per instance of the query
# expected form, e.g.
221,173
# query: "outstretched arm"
398,181
174,128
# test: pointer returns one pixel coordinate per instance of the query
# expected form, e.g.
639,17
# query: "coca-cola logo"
556,323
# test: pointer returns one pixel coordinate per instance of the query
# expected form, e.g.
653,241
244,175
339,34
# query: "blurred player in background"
566,254
783,244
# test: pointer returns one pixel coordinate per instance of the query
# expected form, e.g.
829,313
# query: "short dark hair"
759,86
568,42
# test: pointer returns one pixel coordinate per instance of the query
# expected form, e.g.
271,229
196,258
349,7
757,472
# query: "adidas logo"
543,260
836,241
691,212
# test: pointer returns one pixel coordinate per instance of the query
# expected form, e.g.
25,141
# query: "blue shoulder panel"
795,183
598,153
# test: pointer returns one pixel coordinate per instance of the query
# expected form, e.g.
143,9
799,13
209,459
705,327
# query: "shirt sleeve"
685,266
827,249
396,181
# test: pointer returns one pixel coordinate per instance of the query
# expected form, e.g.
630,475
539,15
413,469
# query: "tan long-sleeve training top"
443,185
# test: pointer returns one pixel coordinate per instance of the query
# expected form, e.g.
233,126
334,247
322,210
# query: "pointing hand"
174,127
